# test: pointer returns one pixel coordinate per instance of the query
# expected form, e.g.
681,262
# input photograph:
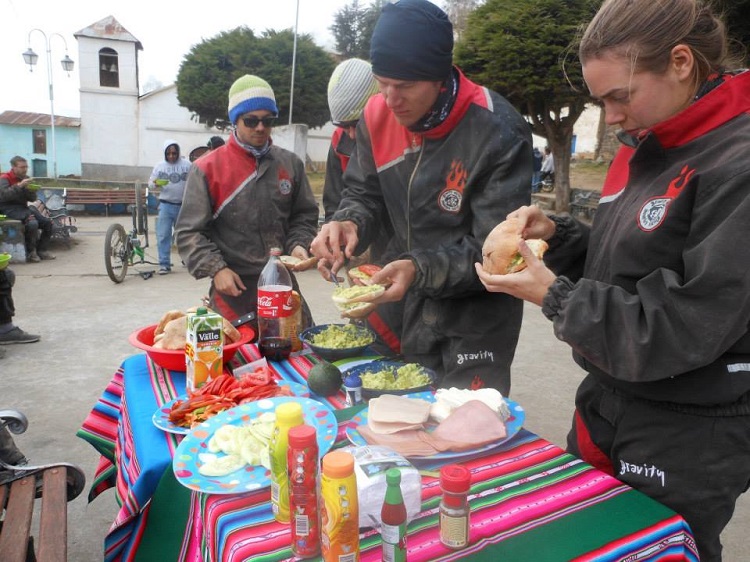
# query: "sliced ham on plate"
470,426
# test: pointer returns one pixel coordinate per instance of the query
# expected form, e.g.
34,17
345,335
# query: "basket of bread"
164,342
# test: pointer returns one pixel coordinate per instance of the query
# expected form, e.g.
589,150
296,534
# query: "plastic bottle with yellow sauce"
288,415
339,509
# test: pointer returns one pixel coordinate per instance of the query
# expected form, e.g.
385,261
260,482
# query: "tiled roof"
108,28
26,118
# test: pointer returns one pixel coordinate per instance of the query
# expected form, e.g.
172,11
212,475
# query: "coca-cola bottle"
275,303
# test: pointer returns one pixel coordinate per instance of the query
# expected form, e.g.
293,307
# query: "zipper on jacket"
408,192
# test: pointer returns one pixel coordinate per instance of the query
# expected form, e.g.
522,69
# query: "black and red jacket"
444,191
663,308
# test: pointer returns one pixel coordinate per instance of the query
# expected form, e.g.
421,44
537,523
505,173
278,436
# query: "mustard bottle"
288,415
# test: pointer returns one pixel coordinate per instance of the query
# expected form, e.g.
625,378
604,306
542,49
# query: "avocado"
324,379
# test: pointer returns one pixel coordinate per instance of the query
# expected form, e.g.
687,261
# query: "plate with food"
228,454
337,341
161,417
393,377
449,425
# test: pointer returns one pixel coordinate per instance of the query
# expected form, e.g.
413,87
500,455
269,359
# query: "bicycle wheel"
117,251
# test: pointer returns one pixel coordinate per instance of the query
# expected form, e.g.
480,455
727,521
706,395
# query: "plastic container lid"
338,464
302,436
274,251
289,413
352,380
455,478
202,311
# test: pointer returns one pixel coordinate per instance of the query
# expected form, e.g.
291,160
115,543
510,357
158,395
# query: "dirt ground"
587,175
584,174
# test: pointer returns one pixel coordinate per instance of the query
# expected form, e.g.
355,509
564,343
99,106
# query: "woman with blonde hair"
660,316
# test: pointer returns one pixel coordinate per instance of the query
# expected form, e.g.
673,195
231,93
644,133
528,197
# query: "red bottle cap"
455,478
302,436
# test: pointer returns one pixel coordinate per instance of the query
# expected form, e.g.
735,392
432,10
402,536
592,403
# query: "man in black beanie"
447,160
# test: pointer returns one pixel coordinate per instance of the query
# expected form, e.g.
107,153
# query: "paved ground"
85,320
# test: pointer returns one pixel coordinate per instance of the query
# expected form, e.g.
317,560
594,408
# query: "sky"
167,31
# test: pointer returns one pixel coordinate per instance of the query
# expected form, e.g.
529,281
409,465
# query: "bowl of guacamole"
337,341
393,377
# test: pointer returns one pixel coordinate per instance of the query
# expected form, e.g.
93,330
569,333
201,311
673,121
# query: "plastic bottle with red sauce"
455,481
302,466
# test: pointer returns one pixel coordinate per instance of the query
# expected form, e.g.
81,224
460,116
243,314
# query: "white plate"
512,425
161,415
187,459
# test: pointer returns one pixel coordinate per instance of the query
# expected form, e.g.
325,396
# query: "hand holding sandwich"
398,277
512,256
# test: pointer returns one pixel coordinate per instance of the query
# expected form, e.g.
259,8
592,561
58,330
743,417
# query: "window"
109,70
40,141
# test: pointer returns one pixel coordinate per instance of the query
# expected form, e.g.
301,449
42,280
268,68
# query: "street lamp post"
30,57
294,64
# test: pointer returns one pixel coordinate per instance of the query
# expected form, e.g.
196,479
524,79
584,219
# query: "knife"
244,319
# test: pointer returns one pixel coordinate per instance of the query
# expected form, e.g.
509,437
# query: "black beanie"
413,40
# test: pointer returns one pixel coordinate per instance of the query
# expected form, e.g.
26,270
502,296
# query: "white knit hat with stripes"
349,88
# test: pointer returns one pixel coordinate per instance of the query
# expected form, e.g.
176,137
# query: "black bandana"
442,107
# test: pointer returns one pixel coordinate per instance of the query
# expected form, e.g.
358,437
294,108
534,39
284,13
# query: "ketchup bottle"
393,519
304,473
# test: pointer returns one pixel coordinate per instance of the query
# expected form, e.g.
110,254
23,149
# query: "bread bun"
357,293
500,253
356,310
361,275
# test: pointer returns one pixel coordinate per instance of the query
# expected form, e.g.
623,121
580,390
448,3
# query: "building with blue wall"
30,135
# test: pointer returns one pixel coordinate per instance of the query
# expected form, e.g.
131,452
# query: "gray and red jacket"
663,309
444,191
235,209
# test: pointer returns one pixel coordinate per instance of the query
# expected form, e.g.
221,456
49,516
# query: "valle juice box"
204,348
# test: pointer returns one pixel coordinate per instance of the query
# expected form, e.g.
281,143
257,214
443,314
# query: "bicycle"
124,249
546,183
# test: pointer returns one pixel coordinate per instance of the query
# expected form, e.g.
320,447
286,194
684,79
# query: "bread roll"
500,253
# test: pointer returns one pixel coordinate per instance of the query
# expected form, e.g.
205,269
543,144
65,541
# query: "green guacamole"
410,375
341,337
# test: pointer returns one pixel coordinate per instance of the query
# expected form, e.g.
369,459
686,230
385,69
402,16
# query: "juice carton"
204,348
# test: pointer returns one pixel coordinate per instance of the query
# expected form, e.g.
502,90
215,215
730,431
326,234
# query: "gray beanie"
413,40
349,88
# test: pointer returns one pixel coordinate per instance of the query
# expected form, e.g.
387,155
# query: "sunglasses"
254,121
346,124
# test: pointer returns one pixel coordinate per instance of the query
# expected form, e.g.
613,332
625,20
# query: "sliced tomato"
261,376
369,269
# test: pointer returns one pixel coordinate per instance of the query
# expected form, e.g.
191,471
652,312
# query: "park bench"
55,485
106,197
583,204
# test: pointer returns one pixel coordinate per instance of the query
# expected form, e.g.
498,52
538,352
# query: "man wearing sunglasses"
447,159
241,200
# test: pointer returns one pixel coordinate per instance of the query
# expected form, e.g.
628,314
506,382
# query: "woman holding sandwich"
655,299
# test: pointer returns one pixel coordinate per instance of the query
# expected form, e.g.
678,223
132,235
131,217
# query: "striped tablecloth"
529,500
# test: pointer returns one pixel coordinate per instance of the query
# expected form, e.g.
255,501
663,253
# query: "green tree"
458,11
522,49
209,69
352,28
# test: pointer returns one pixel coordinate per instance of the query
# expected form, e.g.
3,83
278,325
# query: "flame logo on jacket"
452,194
654,210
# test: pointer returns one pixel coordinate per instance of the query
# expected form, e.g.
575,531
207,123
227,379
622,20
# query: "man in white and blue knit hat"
241,200
446,159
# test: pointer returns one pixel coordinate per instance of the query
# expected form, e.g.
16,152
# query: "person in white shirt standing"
169,176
